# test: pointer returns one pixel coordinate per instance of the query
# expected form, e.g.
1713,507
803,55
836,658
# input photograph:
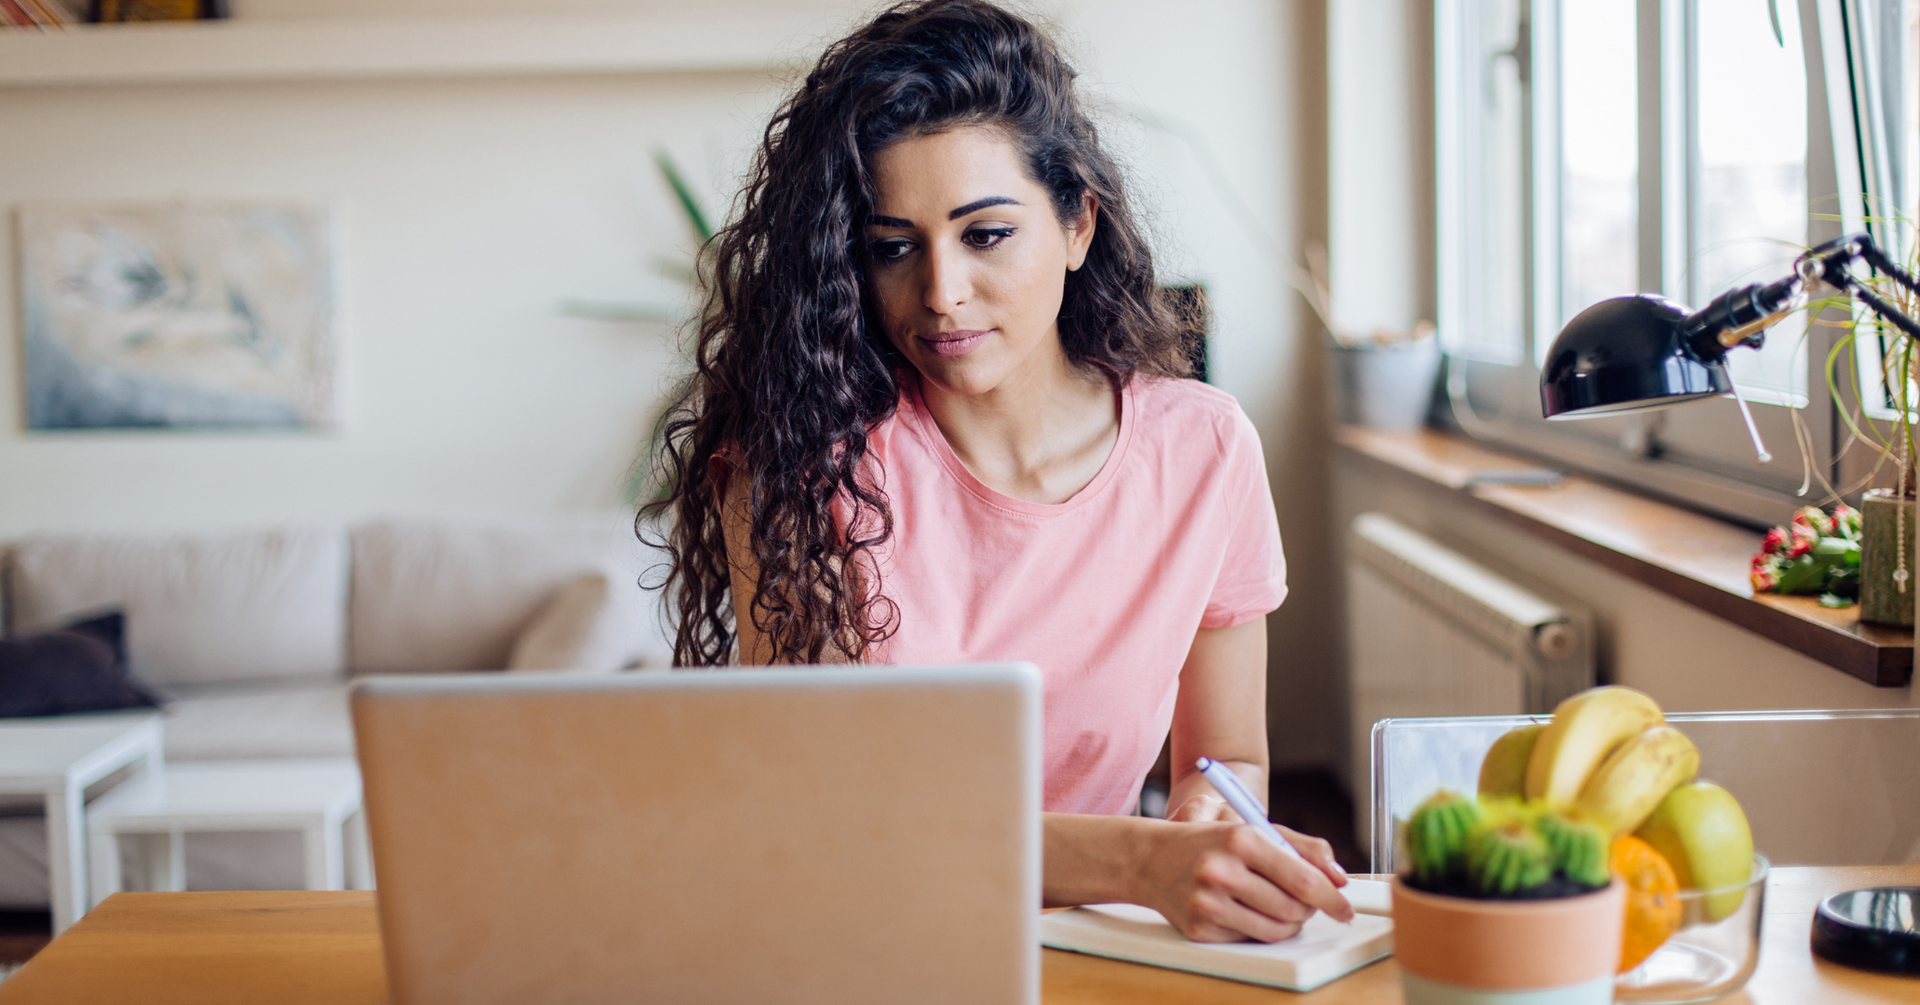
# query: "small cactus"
1577,849
1508,857
1437,835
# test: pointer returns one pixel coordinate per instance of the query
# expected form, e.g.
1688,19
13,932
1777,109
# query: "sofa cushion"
289,718
76,669
200,609
440,595
576,629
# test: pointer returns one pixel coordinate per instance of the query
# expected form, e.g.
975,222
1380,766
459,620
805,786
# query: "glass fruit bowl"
1711,954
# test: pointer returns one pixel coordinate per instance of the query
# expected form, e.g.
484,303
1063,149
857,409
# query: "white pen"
1234,791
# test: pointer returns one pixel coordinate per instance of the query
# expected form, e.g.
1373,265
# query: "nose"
948,282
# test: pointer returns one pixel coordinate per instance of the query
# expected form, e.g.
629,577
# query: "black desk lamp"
1643,352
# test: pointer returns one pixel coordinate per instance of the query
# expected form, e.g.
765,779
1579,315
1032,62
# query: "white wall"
469,209
1378,73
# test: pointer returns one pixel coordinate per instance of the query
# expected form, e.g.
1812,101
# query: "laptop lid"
790,835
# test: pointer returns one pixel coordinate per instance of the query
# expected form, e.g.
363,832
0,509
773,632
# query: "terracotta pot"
1462,951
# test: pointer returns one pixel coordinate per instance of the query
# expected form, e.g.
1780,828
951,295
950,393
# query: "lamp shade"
1626,354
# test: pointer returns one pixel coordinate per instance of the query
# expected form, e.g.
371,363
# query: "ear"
1080,231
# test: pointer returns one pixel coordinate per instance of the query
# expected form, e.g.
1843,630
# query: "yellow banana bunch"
1586,729
1633,780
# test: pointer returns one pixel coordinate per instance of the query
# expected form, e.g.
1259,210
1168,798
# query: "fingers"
1301,879
1319,852
1230,902
1230,921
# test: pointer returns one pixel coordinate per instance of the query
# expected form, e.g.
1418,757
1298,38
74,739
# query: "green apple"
1702,832
1503,774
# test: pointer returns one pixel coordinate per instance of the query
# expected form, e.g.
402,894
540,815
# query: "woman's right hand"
1219,881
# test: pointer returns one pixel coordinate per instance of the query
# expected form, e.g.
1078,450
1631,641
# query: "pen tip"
1203,764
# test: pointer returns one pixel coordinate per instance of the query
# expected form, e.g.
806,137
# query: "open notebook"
1324,949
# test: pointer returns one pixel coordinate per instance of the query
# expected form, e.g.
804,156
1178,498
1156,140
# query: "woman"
938,416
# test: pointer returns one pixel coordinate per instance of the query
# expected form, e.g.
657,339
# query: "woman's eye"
889,251
986,237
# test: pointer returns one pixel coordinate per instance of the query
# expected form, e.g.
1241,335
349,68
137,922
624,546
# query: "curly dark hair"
792,370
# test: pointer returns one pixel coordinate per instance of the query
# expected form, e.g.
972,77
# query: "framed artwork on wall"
155,10
178,315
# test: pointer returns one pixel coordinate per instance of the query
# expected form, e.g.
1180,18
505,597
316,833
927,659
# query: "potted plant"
1505,898
1383,379
1887,532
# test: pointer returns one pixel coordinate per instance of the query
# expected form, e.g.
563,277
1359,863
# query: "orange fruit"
1653,898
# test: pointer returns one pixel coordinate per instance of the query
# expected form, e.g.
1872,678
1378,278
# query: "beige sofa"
253,636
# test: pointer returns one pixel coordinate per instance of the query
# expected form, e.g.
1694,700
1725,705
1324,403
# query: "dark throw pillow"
79,668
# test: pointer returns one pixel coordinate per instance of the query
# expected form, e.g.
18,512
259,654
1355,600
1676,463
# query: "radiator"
1431,632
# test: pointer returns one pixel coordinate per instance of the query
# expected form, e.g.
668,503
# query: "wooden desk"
300,947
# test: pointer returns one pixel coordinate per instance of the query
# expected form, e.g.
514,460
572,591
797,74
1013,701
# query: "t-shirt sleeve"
1253,570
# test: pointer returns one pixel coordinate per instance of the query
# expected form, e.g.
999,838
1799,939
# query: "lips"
951,344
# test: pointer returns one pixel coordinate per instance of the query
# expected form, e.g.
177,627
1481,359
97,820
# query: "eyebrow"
975,206
979,204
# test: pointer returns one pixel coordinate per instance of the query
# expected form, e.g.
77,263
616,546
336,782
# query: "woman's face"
966,261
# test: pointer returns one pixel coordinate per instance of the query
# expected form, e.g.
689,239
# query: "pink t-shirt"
1104,592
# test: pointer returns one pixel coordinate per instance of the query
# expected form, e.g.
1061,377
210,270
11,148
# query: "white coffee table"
57,759
314,797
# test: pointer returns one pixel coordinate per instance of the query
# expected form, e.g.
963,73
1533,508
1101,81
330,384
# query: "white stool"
314,797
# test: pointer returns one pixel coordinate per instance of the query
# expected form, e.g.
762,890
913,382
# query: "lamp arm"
1876,258
1828,263
1879,305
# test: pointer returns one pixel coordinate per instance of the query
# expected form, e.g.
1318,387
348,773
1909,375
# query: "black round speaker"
1872,929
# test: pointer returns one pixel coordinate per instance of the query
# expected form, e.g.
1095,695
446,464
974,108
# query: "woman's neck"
1041,436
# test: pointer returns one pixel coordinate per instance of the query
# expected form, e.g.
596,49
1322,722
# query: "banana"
1503,773
1636,777
1585,729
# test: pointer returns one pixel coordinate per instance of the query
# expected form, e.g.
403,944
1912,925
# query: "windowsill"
1693,558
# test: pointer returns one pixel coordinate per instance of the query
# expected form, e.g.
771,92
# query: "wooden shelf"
320,49
1691,557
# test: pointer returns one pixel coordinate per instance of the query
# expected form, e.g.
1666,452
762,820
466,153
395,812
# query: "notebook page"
1324,949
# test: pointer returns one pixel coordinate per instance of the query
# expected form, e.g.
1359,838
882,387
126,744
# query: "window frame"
1699,456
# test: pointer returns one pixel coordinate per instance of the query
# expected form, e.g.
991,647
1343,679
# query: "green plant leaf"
688,203
1805,575
1837,549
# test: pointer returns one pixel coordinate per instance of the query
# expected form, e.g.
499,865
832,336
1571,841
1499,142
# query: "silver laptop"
794,835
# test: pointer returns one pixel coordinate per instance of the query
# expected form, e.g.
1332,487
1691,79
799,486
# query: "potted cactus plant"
1505,898
1590,866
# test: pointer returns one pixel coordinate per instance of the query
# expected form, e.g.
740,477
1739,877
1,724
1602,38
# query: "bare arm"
1215,878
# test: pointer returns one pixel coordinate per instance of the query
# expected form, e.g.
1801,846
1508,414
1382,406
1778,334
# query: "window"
1599,152
1595,148
1748,162
1482,130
